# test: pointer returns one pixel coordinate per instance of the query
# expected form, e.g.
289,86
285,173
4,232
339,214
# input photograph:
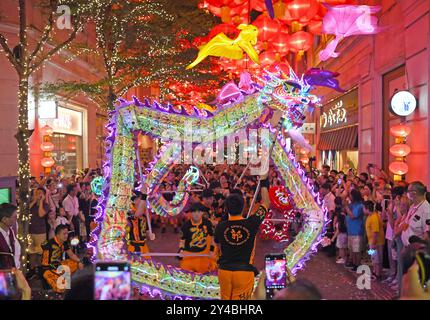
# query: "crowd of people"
373,217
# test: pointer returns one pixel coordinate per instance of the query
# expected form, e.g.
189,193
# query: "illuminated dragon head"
288,93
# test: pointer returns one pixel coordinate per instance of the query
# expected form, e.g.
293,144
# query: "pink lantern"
398,167
47,162
400,150
400,130
47,146
46,131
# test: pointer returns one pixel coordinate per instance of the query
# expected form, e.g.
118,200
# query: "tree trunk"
22,138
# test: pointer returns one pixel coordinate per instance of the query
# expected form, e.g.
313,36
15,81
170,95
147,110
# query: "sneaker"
340,261
354,268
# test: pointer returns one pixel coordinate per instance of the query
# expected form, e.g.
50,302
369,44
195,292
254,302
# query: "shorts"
378,257
342,241
236,285
36,243
355,243
198,264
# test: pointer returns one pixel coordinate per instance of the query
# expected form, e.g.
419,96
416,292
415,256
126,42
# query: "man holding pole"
236,242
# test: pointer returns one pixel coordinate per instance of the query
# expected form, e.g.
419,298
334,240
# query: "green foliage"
139,43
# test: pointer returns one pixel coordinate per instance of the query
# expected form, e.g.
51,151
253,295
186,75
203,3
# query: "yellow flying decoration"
223,46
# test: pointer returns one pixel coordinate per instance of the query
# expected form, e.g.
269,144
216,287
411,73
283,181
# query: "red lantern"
303,10
226,9
228,29
280,44
47,146
398,167
400,131
267,28
315,27
301,41
258,5
267,58
400,150
47,131
47,162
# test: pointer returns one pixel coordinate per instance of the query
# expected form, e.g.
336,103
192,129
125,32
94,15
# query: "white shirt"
329,201
71,205
418,220
17,247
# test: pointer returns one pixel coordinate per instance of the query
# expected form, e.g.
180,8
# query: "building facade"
76,122
372,68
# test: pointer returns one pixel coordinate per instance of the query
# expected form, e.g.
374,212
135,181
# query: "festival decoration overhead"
324,78
347,20
223,46
287,93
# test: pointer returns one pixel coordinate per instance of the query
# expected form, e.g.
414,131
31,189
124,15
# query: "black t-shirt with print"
53,253
195,236
237,241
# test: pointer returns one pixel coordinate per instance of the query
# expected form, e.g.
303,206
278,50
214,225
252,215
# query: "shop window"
392,81
68,152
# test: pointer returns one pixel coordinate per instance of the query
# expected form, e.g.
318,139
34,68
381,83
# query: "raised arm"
265,200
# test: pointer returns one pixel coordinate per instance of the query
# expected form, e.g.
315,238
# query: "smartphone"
112,281
339,182
276,273
8,285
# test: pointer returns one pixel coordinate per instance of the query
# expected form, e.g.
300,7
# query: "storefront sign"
403,103
68,122
335,116
47,109
340,112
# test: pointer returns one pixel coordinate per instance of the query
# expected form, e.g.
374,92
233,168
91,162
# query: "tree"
141,43
26,59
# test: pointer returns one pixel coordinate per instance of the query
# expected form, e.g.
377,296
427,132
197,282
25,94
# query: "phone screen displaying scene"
276,275
112,281
7,285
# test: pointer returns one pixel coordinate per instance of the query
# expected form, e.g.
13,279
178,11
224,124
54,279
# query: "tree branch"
9,53
56,49
47,31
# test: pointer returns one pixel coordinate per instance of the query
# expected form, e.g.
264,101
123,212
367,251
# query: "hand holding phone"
112,281
276,273
8,285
